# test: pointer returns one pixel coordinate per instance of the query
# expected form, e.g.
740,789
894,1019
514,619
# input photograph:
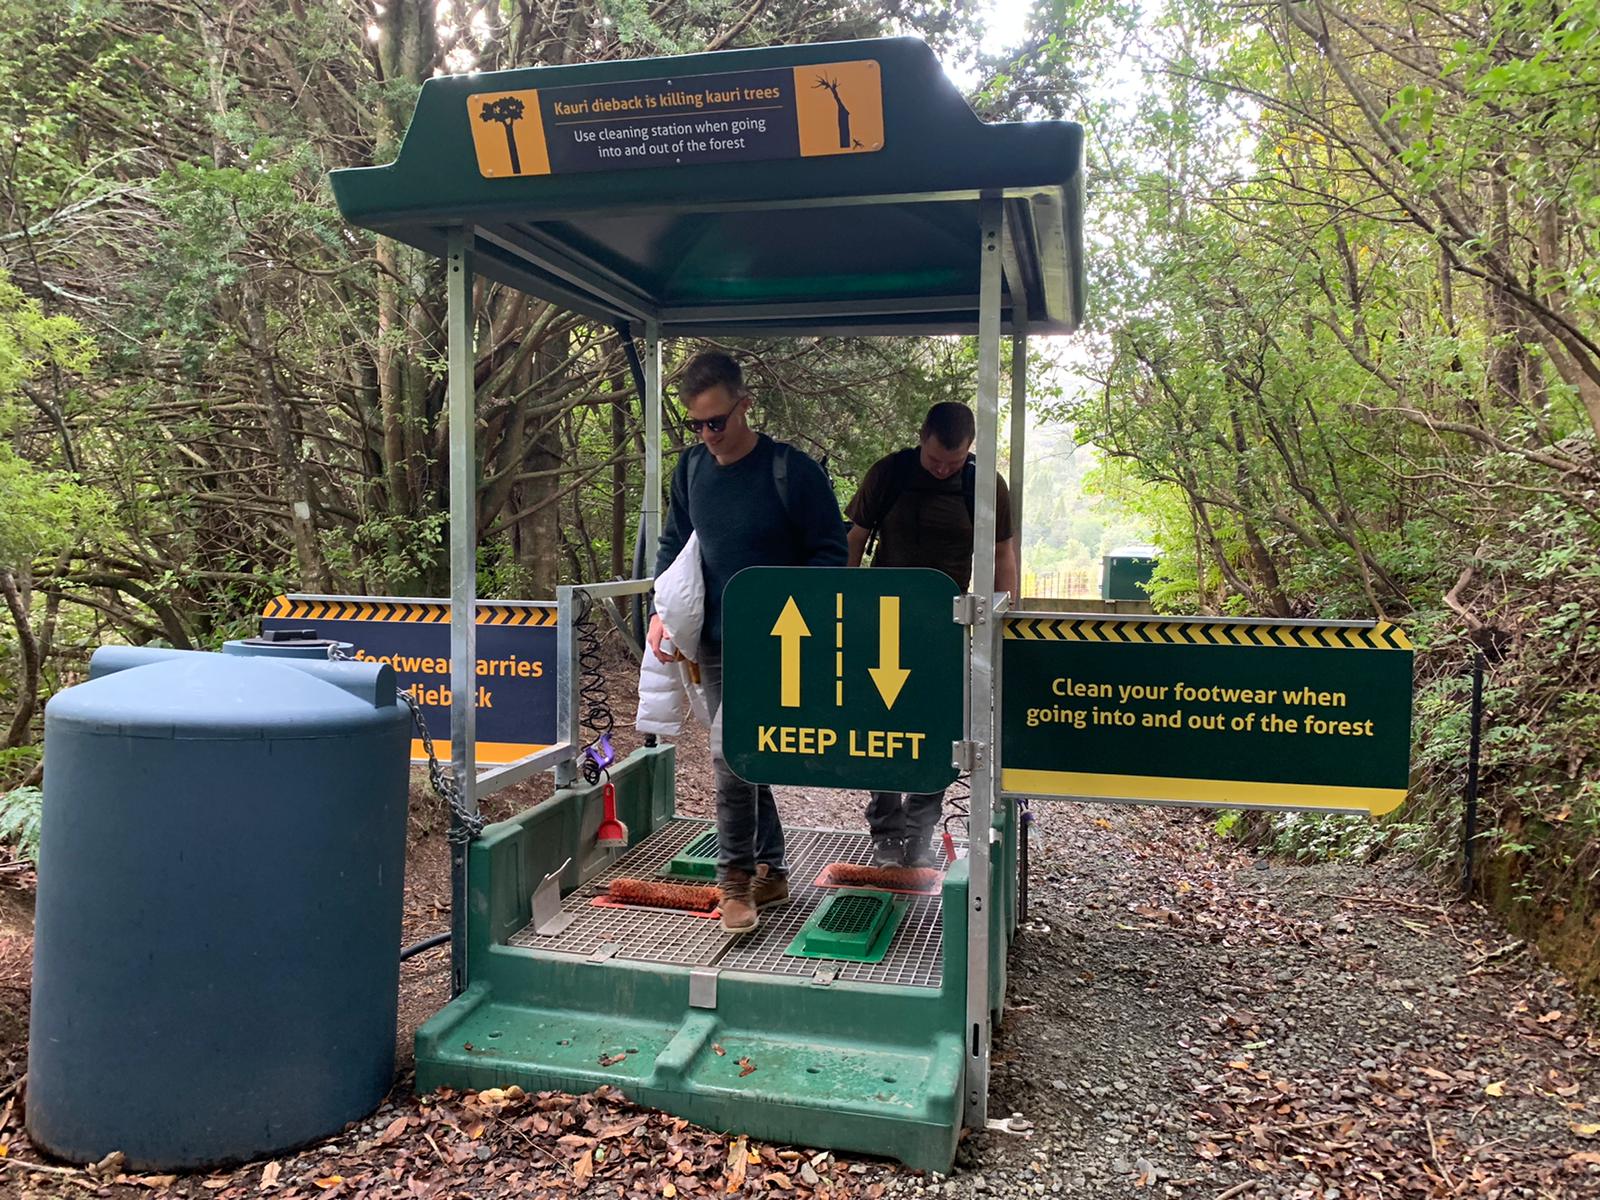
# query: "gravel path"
1188,1021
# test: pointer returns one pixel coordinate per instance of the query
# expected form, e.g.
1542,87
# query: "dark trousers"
907,815
749,830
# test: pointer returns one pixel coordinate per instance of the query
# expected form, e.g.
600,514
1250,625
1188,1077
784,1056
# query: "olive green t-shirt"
927,524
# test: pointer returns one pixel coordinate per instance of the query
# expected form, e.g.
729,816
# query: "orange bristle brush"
649,894
895,879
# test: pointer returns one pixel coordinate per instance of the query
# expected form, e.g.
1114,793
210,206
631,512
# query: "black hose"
416,948
636,369
594,705
638,573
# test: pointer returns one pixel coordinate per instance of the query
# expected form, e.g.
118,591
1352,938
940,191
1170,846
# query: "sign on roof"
737,116
839,677
516,675
1241,714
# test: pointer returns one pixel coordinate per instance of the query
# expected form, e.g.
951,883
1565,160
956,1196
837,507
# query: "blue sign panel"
516,675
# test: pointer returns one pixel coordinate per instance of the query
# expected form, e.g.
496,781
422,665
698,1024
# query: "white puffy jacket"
667,690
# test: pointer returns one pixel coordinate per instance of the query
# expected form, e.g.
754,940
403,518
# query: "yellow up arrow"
790,628
887,674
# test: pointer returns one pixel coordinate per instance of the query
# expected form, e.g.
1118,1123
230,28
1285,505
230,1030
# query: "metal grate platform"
915,958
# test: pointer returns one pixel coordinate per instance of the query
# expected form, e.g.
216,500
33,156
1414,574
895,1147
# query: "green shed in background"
1125,573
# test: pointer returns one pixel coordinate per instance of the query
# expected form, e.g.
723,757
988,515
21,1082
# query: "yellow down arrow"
888,675
789,629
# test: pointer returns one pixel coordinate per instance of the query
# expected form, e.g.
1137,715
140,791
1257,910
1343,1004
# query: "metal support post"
1019,438
1019,388
652,444
463,582
568,609
982,644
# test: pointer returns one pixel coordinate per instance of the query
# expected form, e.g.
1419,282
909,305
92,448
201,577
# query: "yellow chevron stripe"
1382,636
281,607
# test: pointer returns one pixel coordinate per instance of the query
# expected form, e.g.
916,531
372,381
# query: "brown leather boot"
769,888
735,900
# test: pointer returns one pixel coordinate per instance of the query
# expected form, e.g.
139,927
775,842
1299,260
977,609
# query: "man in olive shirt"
917,506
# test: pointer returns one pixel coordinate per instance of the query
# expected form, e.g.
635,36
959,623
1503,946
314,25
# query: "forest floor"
1184,1020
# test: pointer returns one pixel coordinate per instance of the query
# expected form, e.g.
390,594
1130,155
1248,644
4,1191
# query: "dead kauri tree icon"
832,85
508,111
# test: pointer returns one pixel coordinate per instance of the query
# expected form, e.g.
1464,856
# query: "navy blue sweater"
742,521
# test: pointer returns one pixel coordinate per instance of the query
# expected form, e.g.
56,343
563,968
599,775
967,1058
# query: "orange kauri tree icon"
508,111
832,85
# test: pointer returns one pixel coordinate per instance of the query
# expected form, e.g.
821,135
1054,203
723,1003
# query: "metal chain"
467,823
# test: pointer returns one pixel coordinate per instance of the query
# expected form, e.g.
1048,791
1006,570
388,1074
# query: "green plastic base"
871,1068
844,1094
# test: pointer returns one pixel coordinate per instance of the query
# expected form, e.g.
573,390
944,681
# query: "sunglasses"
714,424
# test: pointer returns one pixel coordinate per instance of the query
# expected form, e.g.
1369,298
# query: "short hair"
951,423
708,369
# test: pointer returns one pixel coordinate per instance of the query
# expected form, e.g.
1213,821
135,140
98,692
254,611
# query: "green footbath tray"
853,924
697,860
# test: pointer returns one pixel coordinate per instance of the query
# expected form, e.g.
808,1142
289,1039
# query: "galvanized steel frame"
983,640
981,662
1019,389
651,507
572,605
460,321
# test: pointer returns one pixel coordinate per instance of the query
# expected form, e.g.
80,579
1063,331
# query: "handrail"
506,774
615,587
568,682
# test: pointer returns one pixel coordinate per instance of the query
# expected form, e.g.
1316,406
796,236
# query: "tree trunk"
536,534
294,479
28,683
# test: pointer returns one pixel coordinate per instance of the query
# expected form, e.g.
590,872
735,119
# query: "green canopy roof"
827,188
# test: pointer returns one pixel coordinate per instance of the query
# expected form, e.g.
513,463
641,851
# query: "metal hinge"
970,609
966,757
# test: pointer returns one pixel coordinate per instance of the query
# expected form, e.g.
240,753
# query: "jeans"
907,815
749,830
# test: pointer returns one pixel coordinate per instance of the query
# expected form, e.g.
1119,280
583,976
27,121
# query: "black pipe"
1024,819
416,948
1469,826
636,369
638,605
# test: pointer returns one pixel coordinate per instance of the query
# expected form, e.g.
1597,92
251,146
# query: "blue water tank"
221,873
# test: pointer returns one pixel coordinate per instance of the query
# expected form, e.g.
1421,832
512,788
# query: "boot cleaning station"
808,191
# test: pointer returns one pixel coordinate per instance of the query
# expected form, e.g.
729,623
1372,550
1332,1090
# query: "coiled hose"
594,706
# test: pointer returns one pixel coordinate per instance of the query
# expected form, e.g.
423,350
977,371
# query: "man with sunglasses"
754,503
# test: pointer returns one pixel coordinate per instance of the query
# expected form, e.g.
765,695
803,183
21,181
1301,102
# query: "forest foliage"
1347,363
1344,355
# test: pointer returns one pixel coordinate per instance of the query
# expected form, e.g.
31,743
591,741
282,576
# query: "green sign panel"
834,677
1194,711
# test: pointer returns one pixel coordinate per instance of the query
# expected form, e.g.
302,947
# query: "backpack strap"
693,456
969,488
780,476
697,454
902,468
